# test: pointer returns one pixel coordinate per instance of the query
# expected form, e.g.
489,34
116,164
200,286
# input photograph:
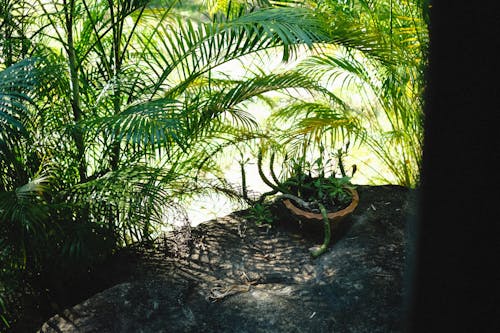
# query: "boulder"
230,275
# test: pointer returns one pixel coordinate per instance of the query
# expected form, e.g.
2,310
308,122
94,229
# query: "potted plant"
312,193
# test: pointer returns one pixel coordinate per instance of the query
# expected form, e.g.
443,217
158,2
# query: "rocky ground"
229,275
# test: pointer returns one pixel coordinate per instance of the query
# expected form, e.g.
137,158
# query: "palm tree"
130,112
390,83
373,62
15,17
23,208
120,118
140,93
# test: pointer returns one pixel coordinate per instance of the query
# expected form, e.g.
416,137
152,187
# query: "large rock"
228,275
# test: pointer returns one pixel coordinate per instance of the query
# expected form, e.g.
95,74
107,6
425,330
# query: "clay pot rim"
333,216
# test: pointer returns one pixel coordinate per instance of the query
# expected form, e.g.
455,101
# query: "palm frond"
132,200
307,126
180,51
24,212
16,84
153,124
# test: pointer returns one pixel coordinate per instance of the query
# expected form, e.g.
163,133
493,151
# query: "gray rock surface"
228,275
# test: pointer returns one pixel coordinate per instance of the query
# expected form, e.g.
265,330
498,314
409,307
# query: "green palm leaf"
153,124
16,85
181,52
131,200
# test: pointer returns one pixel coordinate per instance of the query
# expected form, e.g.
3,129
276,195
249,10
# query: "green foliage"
389,80
261,214
331,190
117,118
123,108
322,193
308,182
15,43
369,72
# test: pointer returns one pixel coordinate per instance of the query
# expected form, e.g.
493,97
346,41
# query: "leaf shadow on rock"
274,284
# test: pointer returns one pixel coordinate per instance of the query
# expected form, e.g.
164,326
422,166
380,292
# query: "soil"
230,275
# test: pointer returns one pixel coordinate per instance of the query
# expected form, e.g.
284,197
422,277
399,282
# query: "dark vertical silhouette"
452,271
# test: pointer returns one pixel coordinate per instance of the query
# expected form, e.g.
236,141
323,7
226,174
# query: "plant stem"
75,90
117,28
299,201
326,241
341,163
276,187
271,168
243,181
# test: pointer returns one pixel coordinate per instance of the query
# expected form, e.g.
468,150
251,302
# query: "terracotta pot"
333,217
